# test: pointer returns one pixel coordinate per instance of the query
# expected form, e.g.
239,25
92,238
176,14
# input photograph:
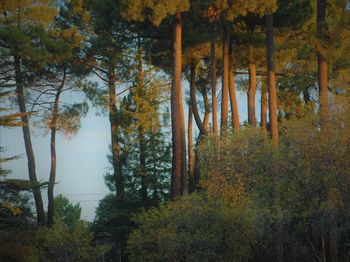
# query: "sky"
81,160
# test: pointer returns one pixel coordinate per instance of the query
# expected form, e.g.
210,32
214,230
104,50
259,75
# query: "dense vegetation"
271,188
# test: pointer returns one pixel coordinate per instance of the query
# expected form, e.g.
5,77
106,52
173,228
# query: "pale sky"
81,160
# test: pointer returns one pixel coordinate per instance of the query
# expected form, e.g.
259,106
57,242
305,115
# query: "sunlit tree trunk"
322,62
28,142
118,176
271,79
263,110
206,109
251,94
52,179
177,115
213,90
232,91
225,79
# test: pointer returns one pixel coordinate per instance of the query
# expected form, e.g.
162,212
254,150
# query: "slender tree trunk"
28,143
271,79
232,91
251,95
200,137
213,90
206,109
52,179
142,147
191,184
263,111
193,100
119,181
177,115
333,238
225,79
322,62
142,139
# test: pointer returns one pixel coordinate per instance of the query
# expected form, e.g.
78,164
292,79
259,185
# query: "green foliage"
155,11
66,211
196,228
253,194
61,243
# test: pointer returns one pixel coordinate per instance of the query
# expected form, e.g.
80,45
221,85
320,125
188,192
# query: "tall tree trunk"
200,137
141,131
191,183
28,143
117,168
322,62
263,111
213,90
193,100
225,79
232,91
143,173
177,115
52,179
271,79
251,94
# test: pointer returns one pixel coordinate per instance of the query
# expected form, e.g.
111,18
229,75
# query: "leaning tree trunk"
117,168
200,137
193,100
251,94
52,179
213,90
322,62
271,79
263,111
225,79
177,120
28,144
232,91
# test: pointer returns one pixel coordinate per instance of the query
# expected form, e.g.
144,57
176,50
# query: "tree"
271,78
22,32
67,212
158,11
109,63
322,61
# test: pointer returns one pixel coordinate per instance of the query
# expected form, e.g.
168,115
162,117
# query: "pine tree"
24,26
159,10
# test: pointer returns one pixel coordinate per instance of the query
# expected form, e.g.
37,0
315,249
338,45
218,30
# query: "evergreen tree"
24,26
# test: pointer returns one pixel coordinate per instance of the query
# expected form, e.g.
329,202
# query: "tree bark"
28,143
271,79
177,115
200,137
225,79
52,179
213,90
263,113
117,168
322,62
141,132
232,91
206,109
193,100
251,94
191,182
